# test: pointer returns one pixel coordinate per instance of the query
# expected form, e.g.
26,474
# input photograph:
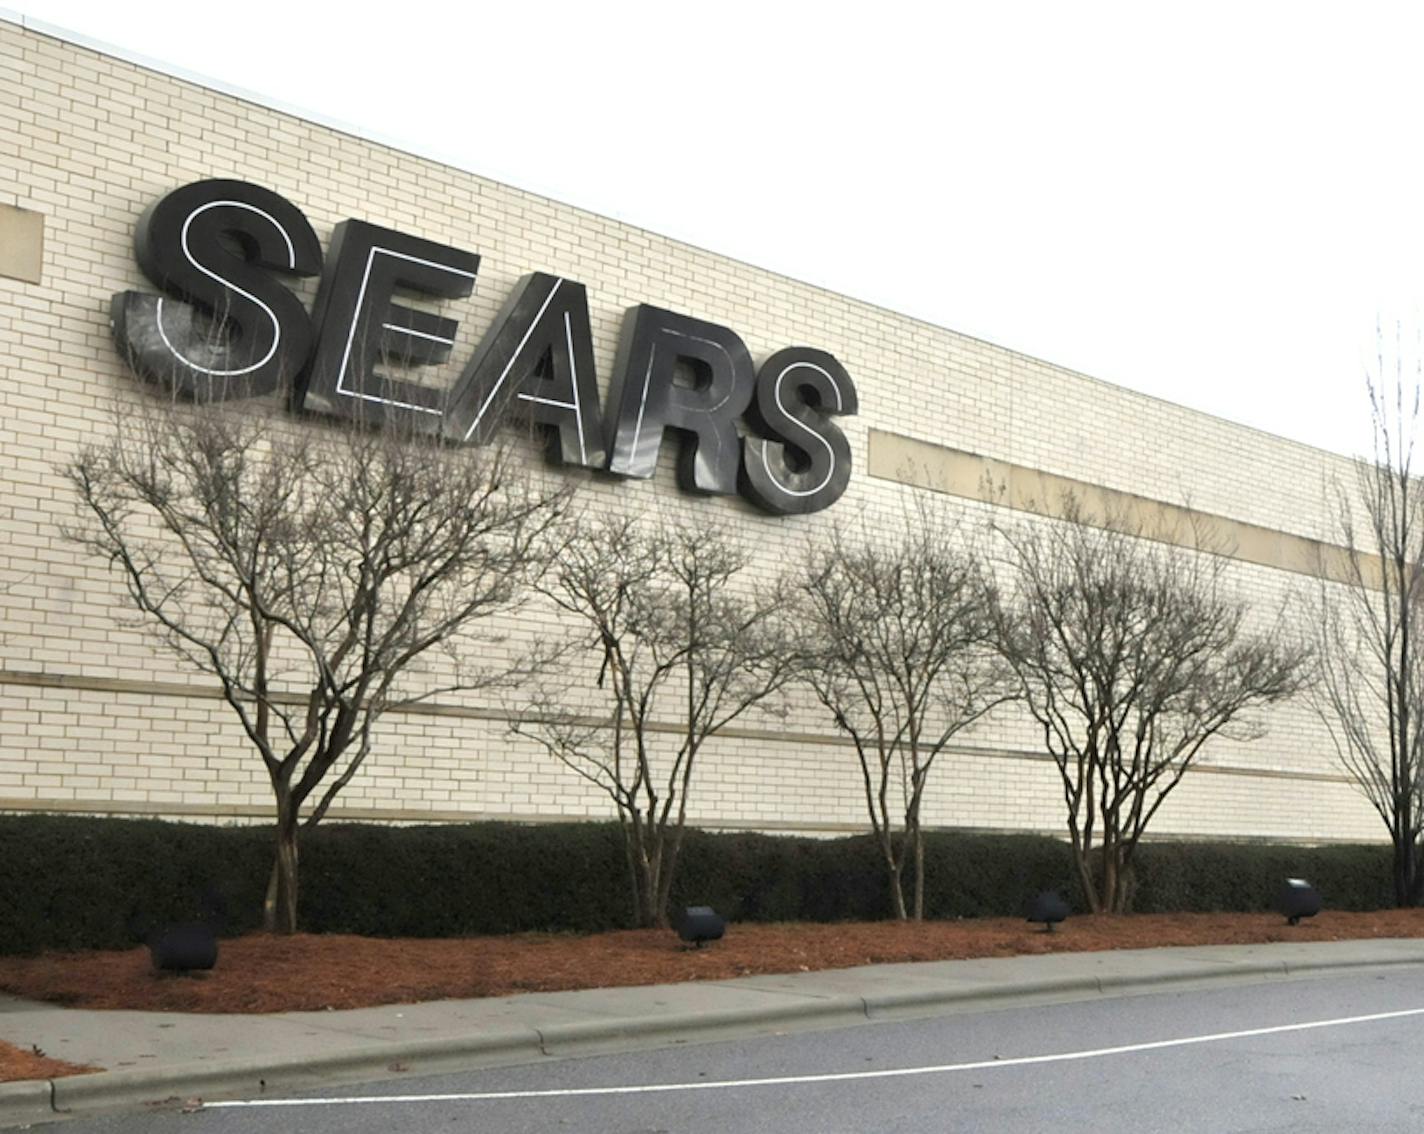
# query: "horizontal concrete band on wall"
922,464
181,690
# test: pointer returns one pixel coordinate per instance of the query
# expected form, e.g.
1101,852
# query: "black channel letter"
537,359
803,465
229,329
674,372
361,326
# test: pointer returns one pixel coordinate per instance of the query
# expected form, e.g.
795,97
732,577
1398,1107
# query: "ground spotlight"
1299,899
698,924
184,948
1047,907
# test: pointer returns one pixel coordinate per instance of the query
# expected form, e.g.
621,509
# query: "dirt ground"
260,973
16,1063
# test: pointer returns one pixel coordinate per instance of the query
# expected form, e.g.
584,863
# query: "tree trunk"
1407,879
897,895
279,909
651,867
919,838
672,851
648,904
635,871
896,865
1082,861
647,888
894,872
643,851
1126,876
1110,896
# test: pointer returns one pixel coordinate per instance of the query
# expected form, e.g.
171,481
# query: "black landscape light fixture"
1046,906
1299,899
184,948
698,924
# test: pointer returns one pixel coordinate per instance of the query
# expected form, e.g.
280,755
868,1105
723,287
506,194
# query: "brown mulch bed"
260,973
16,1063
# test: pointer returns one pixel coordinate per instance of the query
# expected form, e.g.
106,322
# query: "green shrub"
1206,877
751,877
76,883
994,875
450,881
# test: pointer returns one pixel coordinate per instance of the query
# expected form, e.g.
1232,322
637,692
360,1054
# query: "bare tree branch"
897,646
355,569
1371,629
678,637
1131,654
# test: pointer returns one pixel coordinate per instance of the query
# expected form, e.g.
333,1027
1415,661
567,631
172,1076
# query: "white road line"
833,1077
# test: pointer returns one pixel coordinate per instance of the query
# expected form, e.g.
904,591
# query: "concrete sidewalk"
153,1056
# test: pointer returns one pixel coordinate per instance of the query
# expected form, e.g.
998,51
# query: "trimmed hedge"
76,883
450,881
1230,877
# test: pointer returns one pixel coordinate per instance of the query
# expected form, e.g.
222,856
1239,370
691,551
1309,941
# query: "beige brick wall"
95,717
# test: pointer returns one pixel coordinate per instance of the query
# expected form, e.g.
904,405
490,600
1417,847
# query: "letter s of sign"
238,333
804,464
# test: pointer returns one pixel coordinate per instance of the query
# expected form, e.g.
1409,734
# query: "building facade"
96,718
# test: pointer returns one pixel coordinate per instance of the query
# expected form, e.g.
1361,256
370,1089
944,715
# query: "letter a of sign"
537,359
717,381
361,325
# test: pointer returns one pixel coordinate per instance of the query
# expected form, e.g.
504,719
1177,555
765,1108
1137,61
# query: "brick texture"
95,716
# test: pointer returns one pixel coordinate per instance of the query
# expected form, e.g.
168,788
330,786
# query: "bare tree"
898,647
685,646
1371,630
324,576
1131,654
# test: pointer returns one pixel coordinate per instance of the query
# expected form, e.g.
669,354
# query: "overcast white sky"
1211,205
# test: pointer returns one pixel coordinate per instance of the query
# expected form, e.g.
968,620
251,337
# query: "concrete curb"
25,1102
1299,968
36,1101
902,1004
112,1089
588,1036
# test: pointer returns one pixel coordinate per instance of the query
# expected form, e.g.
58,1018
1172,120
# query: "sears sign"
226,327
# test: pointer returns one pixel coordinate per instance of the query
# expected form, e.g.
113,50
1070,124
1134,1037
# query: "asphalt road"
1339,1054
